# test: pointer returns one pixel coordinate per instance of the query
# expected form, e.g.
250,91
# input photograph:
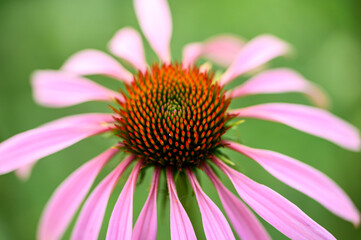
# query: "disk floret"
173,116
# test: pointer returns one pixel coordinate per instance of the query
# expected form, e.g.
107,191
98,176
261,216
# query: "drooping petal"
27,147
243,220
24,172
180,225
90,219
303,178
156,23
61,89
215,224
221,49
127,44
121,221
67,198
254,54
311,120
279,81
94,62
275,209
146,225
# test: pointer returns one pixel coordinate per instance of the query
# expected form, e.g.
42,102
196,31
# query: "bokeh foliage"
41,34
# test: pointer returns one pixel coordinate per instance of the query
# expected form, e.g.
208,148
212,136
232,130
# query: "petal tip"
356,219
354,144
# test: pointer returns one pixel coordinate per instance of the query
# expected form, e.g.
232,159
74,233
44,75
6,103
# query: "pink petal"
311,120
279,81
121,221
27,147
93,62
81,119
221,49
275,209
91,216
24,172
215,224
127,44
303,178
60,89
180,225
243,220
156,23
191,53
256,53
205,67
146,226
67,198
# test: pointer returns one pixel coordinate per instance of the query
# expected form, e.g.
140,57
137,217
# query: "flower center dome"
173,116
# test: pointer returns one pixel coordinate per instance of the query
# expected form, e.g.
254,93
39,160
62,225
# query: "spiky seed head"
173,116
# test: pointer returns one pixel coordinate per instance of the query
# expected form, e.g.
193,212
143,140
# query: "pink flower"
172,119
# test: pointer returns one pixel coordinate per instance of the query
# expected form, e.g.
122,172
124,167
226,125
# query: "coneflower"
172,118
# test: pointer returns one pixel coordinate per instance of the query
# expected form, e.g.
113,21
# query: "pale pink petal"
127,44
311,120
90,220
61,89
191,53
205,67
180,225
215,224
67,198
27,147
275,209
121,221
279,81
303,178
254,54
24,172
243,220
146,225
156,23
86,119
221,49
94,62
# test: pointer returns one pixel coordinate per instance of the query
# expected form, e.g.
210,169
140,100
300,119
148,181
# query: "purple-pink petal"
180,225
94,62
121,220
279,81
156,23
303,178
311,120
221,49
27,147
127,44
90,219
146,225
215,224
275,209
243,220
67,198
61,89
254,54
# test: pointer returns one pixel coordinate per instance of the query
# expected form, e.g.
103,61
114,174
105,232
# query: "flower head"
172,117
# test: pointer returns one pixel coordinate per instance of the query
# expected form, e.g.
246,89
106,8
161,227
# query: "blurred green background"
41,34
